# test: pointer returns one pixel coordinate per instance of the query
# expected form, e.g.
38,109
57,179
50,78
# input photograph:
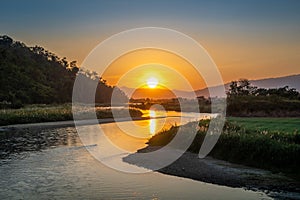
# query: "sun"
152,82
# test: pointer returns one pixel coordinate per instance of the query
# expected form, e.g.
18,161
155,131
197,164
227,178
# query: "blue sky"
235,33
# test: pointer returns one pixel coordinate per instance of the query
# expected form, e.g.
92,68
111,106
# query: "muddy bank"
219,172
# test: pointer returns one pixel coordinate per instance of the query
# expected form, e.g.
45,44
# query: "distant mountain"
292,81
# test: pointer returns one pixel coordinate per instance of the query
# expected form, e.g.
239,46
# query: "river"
69,171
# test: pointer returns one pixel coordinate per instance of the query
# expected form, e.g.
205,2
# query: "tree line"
243,99
34,75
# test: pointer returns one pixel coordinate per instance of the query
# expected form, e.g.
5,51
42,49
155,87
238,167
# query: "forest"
34,75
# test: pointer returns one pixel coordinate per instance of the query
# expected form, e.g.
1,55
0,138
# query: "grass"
286,125
268,143
49,113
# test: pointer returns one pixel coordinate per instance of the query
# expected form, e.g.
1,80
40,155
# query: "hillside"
33,75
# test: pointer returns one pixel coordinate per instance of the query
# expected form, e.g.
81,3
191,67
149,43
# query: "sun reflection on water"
152,122
152,113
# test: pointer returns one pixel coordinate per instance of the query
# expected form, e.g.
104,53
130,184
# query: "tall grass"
35,114
48,113
243,142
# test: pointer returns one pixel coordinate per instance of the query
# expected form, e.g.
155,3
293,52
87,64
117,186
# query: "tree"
241,88
5,40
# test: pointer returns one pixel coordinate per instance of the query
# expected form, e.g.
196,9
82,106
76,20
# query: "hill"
34,75
292,81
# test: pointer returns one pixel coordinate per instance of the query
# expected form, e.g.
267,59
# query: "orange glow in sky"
153,68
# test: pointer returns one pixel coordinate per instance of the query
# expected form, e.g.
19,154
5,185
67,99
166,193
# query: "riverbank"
214,171
61,124
63,112
270,144
245,141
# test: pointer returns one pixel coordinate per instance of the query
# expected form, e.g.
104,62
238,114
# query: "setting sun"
152,82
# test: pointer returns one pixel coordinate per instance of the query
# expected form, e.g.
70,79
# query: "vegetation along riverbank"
267,143
50,113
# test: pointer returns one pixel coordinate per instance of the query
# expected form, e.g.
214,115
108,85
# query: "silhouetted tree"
240,88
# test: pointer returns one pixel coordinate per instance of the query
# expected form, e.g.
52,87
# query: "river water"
69,171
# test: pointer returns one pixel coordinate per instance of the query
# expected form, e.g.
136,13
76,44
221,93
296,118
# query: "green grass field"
286,125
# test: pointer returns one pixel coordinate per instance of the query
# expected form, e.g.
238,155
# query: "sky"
246,39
